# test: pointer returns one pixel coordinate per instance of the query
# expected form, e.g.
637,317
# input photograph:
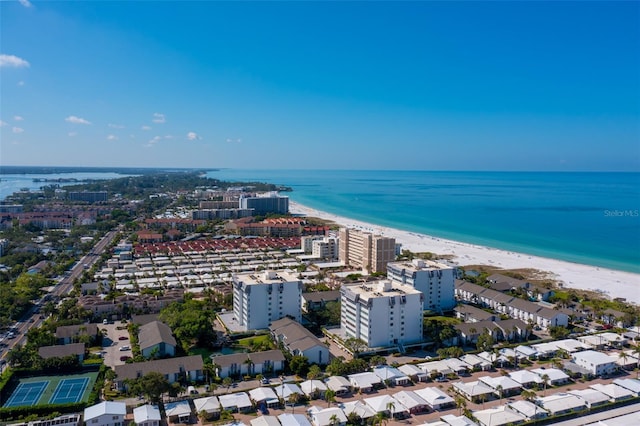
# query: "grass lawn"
248,341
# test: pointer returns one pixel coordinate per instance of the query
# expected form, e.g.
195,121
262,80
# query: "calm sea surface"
590,218
10,183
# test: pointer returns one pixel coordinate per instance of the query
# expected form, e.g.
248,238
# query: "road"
63,288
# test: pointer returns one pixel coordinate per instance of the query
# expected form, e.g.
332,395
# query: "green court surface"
52,390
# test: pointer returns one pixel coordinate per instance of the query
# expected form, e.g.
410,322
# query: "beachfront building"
435,280
382,313
261,298
366,251
263,204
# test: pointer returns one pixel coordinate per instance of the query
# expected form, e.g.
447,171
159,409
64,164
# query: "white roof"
505,381
146,413
473,388
209,404
389,373
528,409
311,386
265,421
434,396
238,399
284,390
474,360
382,403
553,373
288,419
364,380
453,420
488,356
560,402
591,396
613,391
323,417
594,357
262,394
632,384
570,345
526,350
525,376
497,416
439,366
545,348
360,408
409,399
179,408
411,370
455,364
105,408
337,383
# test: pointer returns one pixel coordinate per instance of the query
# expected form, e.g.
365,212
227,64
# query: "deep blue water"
590,218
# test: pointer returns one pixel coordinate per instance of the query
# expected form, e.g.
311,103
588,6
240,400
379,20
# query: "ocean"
10,183
588,218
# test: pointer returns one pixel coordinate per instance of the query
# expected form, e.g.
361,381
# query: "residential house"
597,363
435,398
147,415
188,368
561,403
241,364
156,340
498,416
107,413
297,340
75,333
61,351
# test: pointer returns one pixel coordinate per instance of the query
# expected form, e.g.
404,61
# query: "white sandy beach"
607,281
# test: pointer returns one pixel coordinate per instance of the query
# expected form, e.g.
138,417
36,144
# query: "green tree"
485,342
152,385
329,396
355,346
299,365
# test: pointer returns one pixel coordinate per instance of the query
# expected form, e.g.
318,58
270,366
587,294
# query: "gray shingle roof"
155,333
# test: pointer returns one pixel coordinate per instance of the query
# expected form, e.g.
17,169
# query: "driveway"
112,343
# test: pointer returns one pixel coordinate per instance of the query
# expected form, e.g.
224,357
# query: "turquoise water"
589,218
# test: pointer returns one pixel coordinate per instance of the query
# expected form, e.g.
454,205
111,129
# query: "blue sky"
365,85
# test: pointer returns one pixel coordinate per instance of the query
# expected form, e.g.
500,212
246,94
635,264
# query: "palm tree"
623,356
293,400
460,402
391,406
528,395
333,420
329,396
499,390
545,379
636,352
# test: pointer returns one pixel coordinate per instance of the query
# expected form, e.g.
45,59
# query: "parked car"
123,338
124,358
125,348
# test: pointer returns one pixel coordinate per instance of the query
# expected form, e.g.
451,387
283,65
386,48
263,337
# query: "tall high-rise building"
365,250
381,313
270,203
261,298
435,280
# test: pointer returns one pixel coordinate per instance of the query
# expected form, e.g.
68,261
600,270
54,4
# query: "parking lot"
116,336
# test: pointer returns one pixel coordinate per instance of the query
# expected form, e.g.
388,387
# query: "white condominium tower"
261,298
381,313
434,280
366,251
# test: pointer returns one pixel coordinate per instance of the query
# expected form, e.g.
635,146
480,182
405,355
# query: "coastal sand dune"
606,281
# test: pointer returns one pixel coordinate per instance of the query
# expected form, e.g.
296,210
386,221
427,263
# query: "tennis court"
27,394
69,391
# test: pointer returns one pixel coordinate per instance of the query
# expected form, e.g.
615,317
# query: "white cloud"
116,126
25,3
158,118
12,61
168,136
234,140
72,134
17,130
18,118
145,128
2,123
153,141
76,120
193,136
112,138
21,83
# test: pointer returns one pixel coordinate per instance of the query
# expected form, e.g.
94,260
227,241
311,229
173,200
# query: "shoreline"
608,282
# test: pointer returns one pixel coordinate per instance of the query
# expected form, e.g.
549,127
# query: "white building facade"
261,298
434,280
366,251
382,313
